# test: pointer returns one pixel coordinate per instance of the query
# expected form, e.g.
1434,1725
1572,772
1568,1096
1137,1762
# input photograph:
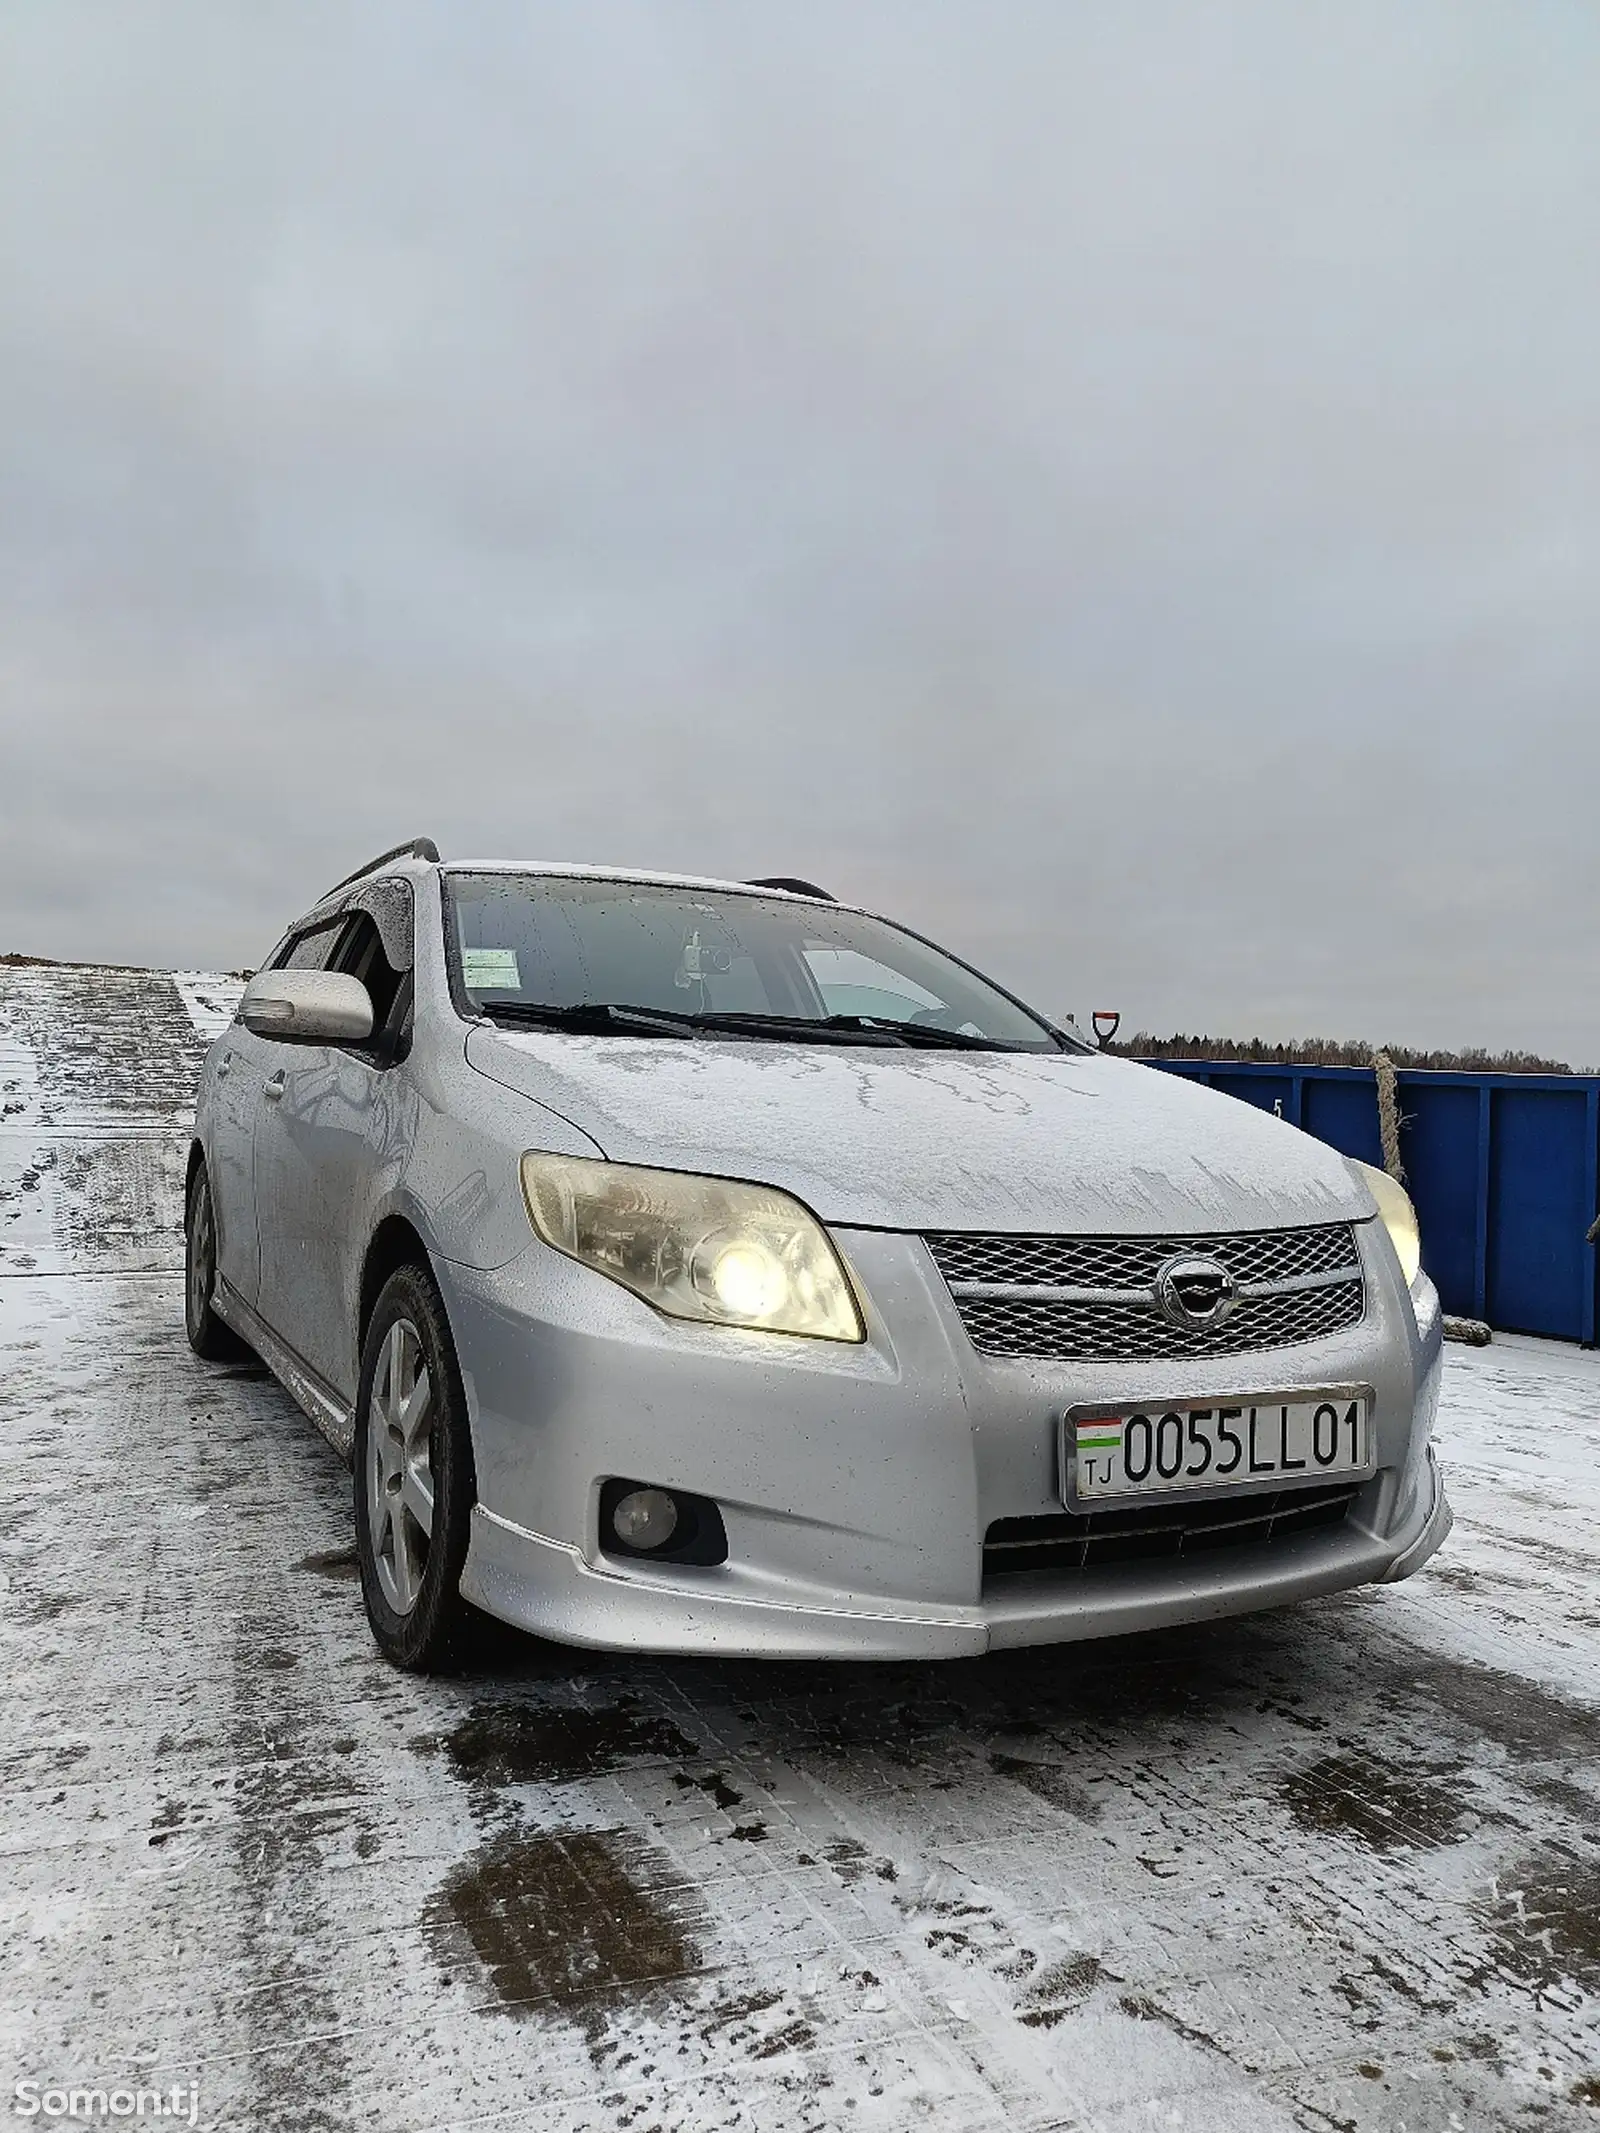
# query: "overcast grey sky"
1117,486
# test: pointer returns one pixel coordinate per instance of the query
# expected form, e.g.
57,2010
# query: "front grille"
1091,1540
1092,1299
1136,1332
1134,1262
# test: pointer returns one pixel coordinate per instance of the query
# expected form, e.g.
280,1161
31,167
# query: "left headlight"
1398,1215
710,1249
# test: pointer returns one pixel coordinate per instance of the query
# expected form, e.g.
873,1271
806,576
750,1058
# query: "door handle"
273,1089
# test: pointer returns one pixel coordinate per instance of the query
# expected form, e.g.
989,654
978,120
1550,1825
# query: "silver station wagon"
708,1266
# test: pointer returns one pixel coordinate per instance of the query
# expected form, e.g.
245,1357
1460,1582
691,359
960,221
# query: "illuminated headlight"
699,1248
1398,1215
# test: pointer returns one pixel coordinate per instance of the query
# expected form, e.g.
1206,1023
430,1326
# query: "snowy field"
1332,1868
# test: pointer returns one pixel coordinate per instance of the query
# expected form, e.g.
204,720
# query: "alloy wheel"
400,1467
202,1254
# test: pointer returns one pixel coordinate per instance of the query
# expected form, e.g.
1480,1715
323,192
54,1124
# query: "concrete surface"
1337,1867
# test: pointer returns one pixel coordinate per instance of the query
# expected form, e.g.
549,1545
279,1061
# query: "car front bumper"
857,1483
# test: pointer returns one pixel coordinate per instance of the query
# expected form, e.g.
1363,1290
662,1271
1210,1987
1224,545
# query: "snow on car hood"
886,1139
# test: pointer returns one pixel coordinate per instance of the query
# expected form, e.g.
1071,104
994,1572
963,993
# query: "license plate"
1256,1443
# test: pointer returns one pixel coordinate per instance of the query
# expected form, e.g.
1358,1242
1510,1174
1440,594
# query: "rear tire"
415,1485
208,1336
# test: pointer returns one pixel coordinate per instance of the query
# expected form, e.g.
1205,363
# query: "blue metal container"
1504,1170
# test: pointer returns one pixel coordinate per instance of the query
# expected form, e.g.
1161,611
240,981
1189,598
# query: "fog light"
645,1518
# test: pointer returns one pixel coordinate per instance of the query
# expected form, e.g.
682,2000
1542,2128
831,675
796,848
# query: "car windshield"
646,958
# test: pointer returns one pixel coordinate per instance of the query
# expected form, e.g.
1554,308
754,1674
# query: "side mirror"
307,1007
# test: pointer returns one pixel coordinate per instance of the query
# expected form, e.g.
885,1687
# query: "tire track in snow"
98,1070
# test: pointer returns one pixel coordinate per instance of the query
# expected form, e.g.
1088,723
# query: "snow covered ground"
1336,1867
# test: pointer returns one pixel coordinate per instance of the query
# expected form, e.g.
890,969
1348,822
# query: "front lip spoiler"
549,1588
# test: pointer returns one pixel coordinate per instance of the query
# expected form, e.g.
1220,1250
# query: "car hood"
884,1139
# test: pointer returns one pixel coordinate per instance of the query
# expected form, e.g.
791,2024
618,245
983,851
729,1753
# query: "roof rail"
794,886
417,848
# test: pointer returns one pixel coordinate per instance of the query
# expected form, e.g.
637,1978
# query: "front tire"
414,1480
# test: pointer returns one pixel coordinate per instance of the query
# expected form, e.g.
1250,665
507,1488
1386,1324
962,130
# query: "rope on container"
1389,1115
1471,1330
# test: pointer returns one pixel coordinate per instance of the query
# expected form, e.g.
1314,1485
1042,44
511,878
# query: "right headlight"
712,1249
1398,1215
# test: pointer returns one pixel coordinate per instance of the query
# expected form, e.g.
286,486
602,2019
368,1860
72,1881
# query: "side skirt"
324,1408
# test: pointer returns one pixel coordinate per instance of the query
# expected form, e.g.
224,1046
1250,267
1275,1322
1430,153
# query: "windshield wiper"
803,1029
593,1015
872,1028
934,1037
604,1016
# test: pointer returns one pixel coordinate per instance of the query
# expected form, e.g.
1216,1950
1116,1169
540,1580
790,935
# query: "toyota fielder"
706,1266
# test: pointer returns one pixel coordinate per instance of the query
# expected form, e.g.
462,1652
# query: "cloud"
1116,487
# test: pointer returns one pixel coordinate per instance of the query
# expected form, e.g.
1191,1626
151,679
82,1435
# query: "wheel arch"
396,1242
197,1163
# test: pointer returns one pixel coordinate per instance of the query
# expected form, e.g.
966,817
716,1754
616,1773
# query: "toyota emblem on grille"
1195,1293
